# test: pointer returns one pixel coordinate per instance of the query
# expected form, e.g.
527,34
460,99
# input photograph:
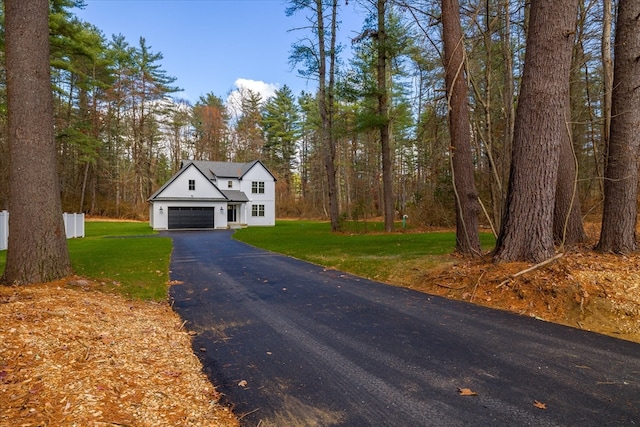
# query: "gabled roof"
155,196
224,169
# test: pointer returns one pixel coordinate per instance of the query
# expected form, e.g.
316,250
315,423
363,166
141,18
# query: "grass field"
126,257
373,255
129,258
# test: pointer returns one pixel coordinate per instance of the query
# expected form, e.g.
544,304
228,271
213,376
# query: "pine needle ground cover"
73,354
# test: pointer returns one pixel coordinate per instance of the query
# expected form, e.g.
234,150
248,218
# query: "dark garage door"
187,217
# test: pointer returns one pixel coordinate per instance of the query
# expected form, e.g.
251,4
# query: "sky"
217,46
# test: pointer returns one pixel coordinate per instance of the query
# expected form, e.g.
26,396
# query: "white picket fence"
73,226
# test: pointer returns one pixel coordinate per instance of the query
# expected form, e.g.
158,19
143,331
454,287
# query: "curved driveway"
292,344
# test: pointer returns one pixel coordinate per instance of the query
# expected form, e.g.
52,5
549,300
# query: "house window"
192,184
229,184
257,187
257,210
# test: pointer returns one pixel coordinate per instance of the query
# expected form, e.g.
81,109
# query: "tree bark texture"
383,112
527,228
37,249
467,204
621,173
607,83
567,216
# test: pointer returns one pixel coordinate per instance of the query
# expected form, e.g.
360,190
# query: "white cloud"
266,91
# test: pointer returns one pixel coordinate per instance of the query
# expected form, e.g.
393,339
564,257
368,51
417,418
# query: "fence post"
4,230
73,224
65,219
80,225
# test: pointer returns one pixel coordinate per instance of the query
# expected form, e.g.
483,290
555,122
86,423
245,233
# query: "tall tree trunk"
567,216
85,176
325,99
527,228
37,249
607,81
621,174
383,112
467,205
509,111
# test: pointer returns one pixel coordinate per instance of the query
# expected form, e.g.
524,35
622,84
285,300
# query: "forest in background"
120,134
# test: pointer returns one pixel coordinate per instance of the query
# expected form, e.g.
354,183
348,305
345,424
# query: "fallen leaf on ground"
466,392
242,383
539,405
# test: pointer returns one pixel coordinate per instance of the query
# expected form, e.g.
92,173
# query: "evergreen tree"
281,126
319,54
249,140
467,206
527,229
619,219
37,249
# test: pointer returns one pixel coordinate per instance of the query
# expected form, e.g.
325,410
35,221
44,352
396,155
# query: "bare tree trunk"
85,176
567,215
527,228
325,99
467,205
509,112
621,174
607,73
383,112
37,249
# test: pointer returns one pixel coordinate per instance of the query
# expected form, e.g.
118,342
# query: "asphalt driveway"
292,344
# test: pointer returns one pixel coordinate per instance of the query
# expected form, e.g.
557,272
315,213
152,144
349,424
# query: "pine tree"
619,218
467,205
37,240
281,127
527,229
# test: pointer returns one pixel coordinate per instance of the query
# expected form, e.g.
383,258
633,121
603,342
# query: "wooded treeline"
377,138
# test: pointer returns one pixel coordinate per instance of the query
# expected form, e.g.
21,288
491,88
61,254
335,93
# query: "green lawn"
375,255
126,256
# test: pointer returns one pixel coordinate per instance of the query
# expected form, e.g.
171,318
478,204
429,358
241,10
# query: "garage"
190,217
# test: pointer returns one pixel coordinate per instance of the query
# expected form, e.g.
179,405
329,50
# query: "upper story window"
229,184
257,187
192,184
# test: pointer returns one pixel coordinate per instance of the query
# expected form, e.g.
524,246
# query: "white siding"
259,174
180,186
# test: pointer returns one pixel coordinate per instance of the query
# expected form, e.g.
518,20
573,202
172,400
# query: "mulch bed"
70,355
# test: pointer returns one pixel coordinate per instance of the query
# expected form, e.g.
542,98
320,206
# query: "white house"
215,195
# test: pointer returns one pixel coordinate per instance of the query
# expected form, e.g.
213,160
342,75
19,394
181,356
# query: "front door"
232,213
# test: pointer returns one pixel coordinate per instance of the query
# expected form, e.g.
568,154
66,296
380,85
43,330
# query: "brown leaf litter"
73,356
580,288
